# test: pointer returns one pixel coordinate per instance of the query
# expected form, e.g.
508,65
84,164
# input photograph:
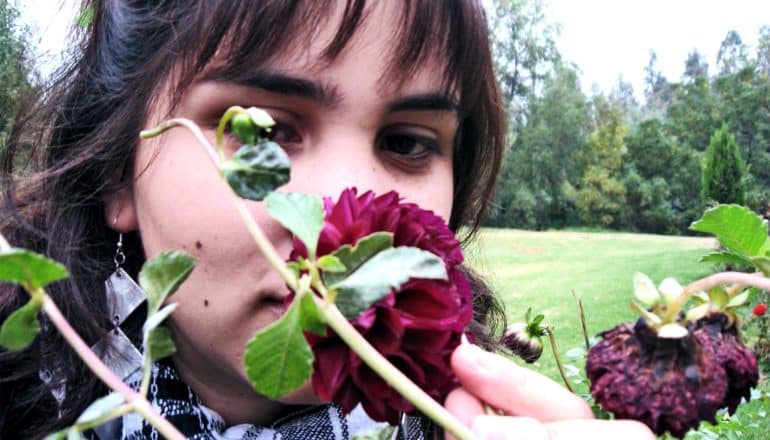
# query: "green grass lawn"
541,269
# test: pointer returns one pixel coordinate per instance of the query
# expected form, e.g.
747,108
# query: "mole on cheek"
198,245
205,303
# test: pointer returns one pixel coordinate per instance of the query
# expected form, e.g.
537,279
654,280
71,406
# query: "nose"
341,159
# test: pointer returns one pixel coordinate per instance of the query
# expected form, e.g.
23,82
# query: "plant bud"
521,343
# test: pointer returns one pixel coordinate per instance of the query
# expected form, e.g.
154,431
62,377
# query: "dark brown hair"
94,110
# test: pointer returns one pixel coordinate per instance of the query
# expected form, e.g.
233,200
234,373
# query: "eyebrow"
284,84
279,83
426,101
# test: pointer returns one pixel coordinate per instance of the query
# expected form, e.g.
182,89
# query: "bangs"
237,33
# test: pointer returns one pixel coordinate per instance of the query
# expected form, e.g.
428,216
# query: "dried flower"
671,384
759,310
416,328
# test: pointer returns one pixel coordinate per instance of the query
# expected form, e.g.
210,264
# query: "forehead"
392,36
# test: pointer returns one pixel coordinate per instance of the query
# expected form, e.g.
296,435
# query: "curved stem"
582,315
704,284
221,129
188,124
115,413
556,357
394,377
262,242
137,402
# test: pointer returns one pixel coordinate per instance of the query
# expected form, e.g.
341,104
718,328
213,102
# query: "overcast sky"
605,38
609,38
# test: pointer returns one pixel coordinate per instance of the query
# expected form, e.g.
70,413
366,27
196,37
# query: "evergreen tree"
723,172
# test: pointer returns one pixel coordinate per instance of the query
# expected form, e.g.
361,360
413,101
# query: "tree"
732,55
763,52
723,171
695,66
15,66
662,179
601,195
547,156
657,92
525,51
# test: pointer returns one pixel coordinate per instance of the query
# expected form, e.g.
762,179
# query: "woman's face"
342,126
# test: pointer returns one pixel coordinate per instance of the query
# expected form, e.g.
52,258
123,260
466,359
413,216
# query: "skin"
354,129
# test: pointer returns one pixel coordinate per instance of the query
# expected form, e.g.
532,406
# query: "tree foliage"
607,160
723,171
15,65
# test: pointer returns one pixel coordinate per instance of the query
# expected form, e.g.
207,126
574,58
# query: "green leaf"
330,263
86,17
21,328
101,407
157,339
278,359
161,276
645,291
153,321
725,258
739,299
159,344
255,171
761,263
698,312
302,214
29,269
719,296
70,433
387,270
309,317
738,229
352,257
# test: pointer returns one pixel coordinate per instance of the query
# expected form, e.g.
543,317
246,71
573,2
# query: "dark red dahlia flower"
670,384
738,361
416,328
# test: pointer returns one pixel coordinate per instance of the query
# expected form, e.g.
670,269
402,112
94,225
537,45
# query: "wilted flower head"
671,384
416,328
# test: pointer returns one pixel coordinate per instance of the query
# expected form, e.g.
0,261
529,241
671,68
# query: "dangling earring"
123,296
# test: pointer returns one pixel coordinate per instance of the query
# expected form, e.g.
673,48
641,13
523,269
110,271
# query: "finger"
515,390
464,406
508,427
599,430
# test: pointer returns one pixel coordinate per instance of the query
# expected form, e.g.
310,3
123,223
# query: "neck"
237,403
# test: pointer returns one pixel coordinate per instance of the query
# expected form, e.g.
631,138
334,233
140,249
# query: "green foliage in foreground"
541,269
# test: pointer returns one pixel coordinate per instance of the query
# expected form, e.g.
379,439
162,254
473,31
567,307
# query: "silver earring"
123,296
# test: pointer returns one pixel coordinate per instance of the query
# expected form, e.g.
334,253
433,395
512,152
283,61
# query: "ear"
119,211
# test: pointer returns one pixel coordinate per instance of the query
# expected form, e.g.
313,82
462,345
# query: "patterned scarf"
179,404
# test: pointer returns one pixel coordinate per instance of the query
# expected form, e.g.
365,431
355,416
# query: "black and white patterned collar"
182,407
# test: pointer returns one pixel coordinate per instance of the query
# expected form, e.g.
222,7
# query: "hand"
533,406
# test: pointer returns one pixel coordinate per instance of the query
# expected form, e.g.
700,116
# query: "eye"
406,146
282,133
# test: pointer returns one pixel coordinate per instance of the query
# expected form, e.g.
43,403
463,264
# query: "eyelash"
427,147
